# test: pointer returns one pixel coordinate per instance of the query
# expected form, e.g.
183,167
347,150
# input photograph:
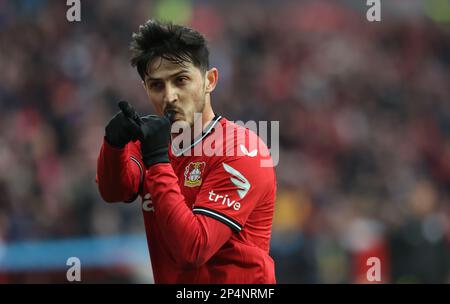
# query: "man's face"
177,89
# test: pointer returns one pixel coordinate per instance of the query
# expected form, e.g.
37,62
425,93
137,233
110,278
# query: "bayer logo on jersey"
193,174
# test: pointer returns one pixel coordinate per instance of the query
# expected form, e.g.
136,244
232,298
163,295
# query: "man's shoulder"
242,142
243,130
228,142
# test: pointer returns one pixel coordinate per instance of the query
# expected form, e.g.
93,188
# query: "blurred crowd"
364,111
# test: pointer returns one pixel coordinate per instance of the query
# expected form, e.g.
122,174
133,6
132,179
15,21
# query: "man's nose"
170,95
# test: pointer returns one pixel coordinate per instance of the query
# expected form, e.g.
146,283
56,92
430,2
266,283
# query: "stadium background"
364,111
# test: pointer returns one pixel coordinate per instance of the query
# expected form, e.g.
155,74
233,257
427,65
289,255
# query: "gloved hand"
153,131
155,140
121,130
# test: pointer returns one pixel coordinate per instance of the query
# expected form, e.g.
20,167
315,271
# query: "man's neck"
200,124
207,117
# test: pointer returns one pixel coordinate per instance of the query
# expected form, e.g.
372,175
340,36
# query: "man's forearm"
192,238
118,173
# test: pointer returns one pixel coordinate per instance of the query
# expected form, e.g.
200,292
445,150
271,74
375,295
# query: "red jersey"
208,219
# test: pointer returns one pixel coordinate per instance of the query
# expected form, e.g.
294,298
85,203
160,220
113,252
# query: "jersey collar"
199,138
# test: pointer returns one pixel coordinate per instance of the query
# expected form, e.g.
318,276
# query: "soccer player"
207,219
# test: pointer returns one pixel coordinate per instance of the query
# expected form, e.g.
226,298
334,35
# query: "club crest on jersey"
193,174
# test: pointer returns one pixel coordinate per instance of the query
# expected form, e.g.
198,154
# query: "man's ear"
212,77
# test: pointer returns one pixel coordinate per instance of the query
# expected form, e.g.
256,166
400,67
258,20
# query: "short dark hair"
176,43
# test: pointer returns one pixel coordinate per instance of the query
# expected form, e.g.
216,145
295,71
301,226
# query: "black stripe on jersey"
141,181
220,217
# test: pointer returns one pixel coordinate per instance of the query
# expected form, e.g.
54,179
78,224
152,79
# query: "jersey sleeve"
233,189
120,172
191,238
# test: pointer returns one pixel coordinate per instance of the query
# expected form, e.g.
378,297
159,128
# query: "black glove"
122,129
153,131
155,140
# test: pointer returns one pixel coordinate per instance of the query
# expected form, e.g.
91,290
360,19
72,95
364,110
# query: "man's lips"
172,114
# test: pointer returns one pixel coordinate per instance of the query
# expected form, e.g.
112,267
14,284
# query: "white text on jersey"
147,203
224,200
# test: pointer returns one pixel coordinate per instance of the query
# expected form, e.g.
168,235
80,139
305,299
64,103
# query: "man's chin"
178,125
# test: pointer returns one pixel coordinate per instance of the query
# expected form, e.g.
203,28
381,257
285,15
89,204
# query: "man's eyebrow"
148,78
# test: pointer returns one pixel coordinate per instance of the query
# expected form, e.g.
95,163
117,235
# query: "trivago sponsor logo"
224,200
